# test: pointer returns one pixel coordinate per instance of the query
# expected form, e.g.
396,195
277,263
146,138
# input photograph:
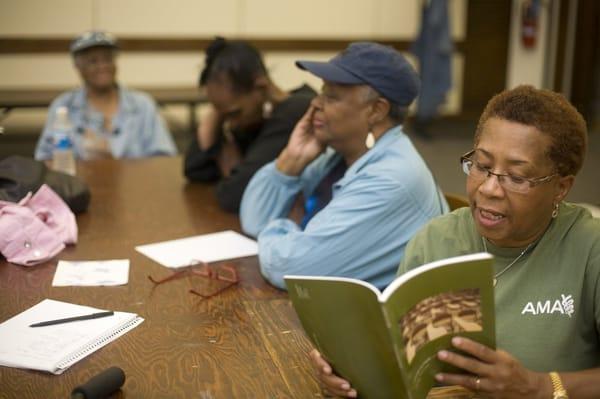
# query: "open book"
55,348
385,343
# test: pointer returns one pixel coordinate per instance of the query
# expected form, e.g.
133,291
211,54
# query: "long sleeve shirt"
384,198
137,130
257,147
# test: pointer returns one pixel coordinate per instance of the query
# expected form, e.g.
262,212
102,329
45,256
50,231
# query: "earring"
267,109
370,140
555,211
227,133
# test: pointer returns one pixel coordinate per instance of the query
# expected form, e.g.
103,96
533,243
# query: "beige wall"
256,18
272,19
526,65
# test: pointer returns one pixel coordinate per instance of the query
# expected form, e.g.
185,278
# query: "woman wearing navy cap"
366,188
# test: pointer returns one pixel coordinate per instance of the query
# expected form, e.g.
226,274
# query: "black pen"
70,319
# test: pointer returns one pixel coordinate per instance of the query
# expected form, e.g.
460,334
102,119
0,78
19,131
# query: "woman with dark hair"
528,147
248,123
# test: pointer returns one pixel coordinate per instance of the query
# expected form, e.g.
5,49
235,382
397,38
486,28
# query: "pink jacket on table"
37,228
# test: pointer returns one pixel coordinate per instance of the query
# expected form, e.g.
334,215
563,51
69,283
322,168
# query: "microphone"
101,385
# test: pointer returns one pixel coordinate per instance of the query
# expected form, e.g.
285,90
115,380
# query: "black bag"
20,175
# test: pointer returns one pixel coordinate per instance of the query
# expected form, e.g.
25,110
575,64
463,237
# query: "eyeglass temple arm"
172,276
184,271
218,291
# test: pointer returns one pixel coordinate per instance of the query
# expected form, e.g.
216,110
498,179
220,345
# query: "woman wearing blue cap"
366,190
109,119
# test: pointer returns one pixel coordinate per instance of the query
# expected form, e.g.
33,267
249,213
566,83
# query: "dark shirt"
258,147
323,192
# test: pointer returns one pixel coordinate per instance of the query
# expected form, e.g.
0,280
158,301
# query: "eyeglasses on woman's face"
508,181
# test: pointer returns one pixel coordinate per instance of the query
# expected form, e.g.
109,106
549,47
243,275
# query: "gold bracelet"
559,391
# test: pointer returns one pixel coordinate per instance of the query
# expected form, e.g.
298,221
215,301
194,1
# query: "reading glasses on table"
225,273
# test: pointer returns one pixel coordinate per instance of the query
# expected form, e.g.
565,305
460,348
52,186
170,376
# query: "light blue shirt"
384,198
138,130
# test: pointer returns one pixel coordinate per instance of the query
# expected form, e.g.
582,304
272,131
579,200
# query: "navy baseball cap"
373,64
92,39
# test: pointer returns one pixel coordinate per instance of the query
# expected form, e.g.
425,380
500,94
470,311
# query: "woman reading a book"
528,147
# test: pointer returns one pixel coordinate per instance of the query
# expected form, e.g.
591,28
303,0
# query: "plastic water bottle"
63,158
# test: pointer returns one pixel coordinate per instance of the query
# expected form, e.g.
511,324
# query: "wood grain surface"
244,343
187,347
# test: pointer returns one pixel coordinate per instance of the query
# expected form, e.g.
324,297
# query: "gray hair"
397,113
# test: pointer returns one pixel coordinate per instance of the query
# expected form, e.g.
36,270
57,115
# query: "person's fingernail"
439,377
443,354
345,386
352,394
457,341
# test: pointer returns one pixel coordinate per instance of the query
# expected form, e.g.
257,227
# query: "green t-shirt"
548,302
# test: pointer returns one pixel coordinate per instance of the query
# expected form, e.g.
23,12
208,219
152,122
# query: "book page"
203,248
45,348
343,319
439,301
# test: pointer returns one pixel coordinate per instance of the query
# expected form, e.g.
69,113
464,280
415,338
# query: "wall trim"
9,45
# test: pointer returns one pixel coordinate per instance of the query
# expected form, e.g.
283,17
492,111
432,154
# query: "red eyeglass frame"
202,269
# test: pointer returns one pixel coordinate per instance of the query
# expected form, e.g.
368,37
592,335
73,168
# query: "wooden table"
244,343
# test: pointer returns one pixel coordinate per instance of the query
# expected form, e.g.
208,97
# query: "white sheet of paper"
205,248
91,273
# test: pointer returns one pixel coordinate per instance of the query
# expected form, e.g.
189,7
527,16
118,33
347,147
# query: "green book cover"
385,343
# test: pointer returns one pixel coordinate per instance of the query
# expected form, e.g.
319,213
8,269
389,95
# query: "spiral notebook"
55,348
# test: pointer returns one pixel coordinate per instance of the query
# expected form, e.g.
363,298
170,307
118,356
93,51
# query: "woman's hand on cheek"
303,147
